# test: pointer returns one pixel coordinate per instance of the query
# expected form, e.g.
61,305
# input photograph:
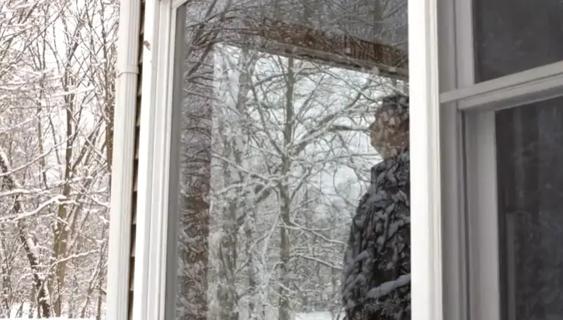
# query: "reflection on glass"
376,283
274,101
529,141
515,35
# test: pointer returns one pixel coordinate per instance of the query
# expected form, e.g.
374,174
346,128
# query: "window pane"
515,35
278,105
529,141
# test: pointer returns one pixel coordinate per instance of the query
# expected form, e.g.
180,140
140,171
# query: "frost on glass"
529,141
276,102
515,35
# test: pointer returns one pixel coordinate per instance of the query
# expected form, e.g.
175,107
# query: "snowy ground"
299,316
17,310
317,316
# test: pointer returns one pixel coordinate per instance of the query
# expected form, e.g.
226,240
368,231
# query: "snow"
322,315
26,307
387,287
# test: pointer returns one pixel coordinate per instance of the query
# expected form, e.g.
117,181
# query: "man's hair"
396,106
393,112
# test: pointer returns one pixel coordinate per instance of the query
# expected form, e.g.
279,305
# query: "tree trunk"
285,205
44,309
62,227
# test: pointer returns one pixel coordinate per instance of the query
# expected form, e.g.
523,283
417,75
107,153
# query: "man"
376,284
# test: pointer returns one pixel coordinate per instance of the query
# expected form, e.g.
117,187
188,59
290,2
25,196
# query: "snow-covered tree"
56,105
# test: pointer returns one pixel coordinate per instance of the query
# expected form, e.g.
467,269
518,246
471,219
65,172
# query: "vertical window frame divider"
426,209
149,289
483,229
456,70
464,39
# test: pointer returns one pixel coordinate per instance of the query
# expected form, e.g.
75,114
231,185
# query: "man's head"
390,130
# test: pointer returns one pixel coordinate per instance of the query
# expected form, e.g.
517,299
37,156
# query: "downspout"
123,161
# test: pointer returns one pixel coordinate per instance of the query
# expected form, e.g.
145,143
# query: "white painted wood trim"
524,93
456,69
465,53
454,216
177,54
470,248
153,172
123,162
483,225
547,76
426,222
447,46
177,3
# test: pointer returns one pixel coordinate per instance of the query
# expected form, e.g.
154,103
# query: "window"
513,211
277,119
528,141
485,82
512,36
274,103
500,104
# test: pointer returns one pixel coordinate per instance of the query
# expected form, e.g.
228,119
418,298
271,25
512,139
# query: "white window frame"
153,173
470,248
482,217
482,227
149,285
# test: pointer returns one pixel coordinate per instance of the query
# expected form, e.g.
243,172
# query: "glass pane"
530,155
515,35
282,207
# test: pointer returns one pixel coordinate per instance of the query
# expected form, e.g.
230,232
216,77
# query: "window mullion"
540,89
520,87
465,58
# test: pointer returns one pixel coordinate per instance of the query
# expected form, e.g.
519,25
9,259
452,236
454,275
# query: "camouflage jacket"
376,283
